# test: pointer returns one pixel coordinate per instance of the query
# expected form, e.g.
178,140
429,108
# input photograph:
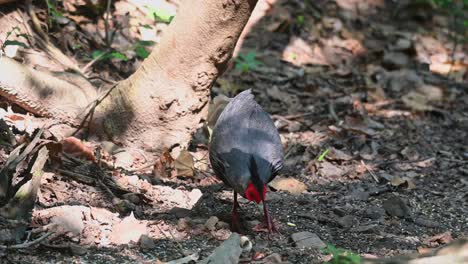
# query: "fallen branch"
28,244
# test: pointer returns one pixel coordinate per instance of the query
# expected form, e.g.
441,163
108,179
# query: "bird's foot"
266,226
235,223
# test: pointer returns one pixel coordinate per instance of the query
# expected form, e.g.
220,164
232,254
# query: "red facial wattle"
251,193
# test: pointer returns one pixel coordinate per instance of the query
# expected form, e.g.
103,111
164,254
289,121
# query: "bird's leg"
267,218
235,219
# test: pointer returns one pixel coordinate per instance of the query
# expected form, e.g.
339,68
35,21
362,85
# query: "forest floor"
371,102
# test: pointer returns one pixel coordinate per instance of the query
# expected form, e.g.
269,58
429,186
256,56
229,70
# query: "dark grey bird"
246,152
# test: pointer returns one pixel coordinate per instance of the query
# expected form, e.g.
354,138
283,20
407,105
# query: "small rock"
374,212
77,250
402,44
339,211
70,221
294,126
346,221
359,195
395,60
133,180
426,222
307,240
180,212
395,206
146,242
132,197
183,224
123,159
211,223
222,225
228,252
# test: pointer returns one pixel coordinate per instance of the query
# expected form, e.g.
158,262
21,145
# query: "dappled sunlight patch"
360,6
440,55
333,51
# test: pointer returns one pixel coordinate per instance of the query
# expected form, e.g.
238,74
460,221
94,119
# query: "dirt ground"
375,133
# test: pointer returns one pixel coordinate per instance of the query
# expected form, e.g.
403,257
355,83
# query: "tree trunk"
163,102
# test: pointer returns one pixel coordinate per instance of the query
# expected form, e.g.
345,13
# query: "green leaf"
159,15
300,20
97,53
322,156
250,56
14,43
13,29
141,52
145,43
118,55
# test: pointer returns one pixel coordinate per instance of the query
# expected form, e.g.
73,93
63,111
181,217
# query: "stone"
346,221
395,206
307,240
77,250
146,242
374,212
210,224
395,60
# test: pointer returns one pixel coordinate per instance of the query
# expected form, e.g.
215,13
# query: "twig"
106,23
455,160
107,189
331,110
27,244
179,246
77,176
92,108
370,171
389,162
89,64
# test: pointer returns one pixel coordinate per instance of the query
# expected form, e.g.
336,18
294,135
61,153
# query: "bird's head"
259,175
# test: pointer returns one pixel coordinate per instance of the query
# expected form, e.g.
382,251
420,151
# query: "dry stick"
370,171
331,110
106,23
389,162
77,176
179,246
27,244
92,108
85,68
455,160
43,40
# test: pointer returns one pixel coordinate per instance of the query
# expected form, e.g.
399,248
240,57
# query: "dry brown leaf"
75,147
164,165
299,52
439,239
290,185
336,154
129,230
184,164
398,181
358,125
329,170
416,101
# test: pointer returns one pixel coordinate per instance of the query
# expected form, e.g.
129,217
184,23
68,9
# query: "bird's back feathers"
244,131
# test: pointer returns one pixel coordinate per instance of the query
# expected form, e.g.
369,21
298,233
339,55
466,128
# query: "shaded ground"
350,78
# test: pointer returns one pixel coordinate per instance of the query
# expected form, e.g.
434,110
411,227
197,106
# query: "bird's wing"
219,166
